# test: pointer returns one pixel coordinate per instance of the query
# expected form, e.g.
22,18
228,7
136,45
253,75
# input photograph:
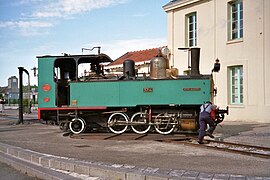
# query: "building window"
191,29
235,19
236,84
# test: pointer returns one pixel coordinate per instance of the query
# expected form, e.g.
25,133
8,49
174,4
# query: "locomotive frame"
98,100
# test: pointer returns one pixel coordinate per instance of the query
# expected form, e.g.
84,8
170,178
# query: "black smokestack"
129,68
195,62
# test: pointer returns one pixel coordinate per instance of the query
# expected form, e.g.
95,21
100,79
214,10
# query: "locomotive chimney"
129,69
195,62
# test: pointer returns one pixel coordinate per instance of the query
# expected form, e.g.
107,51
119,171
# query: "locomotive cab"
64,72
69,69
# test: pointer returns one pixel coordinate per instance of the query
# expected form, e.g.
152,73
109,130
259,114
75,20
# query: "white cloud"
27,28
28,1
25,24
47,11
64,8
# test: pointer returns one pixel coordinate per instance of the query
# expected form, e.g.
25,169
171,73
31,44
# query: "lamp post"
8,98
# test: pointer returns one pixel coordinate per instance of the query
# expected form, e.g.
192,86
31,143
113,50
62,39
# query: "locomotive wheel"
164,125
77,125
141,121
118,123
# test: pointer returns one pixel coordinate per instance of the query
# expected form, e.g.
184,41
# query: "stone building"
237,32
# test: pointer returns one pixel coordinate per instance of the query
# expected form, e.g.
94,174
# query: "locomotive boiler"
77,99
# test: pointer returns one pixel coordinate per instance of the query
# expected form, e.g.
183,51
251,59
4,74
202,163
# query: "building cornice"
178,4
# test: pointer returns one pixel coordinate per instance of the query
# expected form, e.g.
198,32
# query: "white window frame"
191,29
236,85
235,19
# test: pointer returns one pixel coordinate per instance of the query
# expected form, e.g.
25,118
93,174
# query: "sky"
30,28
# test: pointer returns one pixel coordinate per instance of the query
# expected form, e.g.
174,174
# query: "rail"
244,149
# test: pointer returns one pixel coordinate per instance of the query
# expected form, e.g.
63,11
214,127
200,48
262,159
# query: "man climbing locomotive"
209,115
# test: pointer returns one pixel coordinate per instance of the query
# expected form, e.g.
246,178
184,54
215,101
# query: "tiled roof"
137,56
3,89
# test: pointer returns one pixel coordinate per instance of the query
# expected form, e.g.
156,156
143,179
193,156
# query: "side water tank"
129,68
158,68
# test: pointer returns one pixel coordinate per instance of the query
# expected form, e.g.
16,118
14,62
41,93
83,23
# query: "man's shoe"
210,135
200,142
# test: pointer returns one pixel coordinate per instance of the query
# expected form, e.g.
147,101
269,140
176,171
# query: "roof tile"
137,56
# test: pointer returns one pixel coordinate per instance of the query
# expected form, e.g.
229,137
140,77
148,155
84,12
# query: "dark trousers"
205,119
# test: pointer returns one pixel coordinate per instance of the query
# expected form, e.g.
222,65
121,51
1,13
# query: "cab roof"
89,57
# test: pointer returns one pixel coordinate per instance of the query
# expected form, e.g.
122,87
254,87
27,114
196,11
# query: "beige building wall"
252,51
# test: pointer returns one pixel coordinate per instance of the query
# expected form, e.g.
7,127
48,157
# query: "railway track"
244,149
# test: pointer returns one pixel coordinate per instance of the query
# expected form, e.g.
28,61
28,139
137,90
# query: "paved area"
142,158
9,173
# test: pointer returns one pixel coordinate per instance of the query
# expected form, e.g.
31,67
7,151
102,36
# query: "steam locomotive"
93,99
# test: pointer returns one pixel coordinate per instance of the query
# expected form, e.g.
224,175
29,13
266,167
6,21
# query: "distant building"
3,91
12,89
11,92
237,32
32,94
141,58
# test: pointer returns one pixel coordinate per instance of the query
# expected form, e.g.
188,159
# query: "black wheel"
164,124
118,123
140,123
77,125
